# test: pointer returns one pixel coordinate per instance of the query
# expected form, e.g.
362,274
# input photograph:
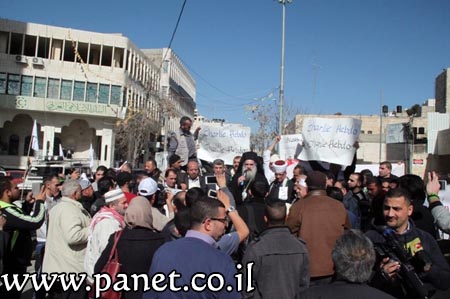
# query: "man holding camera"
411,262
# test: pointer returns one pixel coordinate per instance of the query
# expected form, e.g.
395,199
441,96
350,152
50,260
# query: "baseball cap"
147,187
84,184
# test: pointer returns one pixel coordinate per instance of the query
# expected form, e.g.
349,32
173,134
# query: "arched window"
13,148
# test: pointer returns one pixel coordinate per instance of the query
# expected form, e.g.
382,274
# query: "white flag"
91,157
61,152
34,137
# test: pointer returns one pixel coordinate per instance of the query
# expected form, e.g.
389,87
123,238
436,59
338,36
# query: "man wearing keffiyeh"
107,221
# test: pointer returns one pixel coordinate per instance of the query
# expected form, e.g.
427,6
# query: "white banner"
330,140
223,142
290,146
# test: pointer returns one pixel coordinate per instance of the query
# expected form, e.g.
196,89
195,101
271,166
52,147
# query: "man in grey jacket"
440,213
281,261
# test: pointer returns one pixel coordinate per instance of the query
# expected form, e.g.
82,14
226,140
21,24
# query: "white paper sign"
223,142
330,140
290,146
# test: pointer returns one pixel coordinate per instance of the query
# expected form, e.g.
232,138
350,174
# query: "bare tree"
266,116
133,134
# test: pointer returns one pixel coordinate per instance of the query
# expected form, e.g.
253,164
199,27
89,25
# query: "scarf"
106,213
139,213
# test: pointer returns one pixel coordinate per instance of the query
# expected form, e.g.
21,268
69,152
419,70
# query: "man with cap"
182,141
148,189
87,194
105,222
281,188
319,220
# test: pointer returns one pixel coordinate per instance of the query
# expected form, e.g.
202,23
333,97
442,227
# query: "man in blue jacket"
196,259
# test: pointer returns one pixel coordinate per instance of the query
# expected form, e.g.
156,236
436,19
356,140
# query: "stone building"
76,84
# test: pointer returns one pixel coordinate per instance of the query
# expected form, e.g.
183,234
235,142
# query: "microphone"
245,175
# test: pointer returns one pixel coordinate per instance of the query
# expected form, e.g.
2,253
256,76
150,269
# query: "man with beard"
355,183
105,222
250,170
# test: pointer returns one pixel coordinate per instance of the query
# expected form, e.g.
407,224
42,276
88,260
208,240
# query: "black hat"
316,180
174,158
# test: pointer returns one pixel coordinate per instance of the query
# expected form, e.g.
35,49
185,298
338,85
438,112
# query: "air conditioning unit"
37,61
21,59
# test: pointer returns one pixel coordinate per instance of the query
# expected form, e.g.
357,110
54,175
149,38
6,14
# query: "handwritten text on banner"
223,142
330,140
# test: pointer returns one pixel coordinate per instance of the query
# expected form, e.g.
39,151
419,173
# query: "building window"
30,45
362,131
69,54
83,51
13,147
103,94
56,49
27,86
39,87
91,92
94,54
165,66
53,88
107,56
115,95
16,44
118,57
43,47
2,83
4,41
78,91
369,132
66,90
13,84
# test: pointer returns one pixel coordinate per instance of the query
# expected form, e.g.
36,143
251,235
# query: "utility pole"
283,33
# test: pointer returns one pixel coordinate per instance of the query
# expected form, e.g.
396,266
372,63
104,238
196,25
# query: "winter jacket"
281,265
67,237
319,220
18,228
414,240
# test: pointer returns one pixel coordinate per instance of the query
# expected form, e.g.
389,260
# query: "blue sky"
340,55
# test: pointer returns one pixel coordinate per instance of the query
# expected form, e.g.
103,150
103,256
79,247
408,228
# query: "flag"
61,152
34,137
91,157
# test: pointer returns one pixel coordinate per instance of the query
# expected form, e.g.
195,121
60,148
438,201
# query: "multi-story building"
76,84
425,148
177,86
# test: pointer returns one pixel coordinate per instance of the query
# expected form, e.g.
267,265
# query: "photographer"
417,259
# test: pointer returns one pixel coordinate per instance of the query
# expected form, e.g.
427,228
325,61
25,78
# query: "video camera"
410,265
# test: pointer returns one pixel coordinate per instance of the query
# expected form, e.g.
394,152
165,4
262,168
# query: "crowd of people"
325,232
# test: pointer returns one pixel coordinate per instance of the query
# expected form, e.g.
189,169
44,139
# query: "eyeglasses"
223,220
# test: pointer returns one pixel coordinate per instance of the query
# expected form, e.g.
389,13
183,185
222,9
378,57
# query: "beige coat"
67,237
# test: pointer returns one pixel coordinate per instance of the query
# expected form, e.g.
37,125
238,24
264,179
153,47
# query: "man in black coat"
250,170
